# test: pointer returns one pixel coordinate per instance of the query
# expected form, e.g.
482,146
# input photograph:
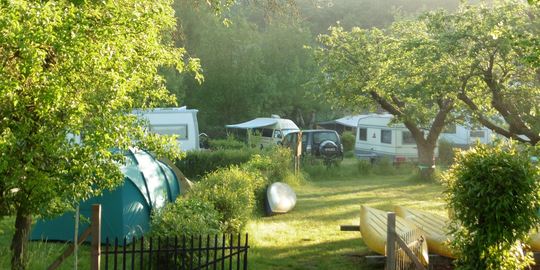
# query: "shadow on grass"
342,254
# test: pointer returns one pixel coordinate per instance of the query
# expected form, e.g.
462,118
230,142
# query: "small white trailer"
175,121
375,139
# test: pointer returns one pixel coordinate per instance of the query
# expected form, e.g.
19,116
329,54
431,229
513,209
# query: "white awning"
350,121
255,123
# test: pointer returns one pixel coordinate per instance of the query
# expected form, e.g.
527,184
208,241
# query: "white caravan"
269,131
175,121
463,137
375,139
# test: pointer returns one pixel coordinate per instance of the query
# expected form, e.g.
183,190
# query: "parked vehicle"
320,143
463,137
375,139
267,131
175,121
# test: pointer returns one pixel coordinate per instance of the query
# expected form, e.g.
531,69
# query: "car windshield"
324,136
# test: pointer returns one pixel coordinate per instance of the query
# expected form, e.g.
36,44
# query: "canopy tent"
148,184
255,123
347,123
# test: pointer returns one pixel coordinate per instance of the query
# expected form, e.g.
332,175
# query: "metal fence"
178,253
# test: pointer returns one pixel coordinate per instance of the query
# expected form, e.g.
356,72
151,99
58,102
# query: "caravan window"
267,132
363,134
407,138
277,134
478,134
180,130
386,136
256,131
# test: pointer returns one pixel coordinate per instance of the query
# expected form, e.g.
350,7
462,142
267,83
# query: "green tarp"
148,184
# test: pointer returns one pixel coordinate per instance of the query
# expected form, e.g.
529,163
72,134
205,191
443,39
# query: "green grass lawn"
309,237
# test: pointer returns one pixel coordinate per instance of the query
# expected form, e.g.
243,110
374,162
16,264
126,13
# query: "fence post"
96,238
391,241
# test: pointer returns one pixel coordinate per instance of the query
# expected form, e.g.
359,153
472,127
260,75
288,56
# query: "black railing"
178,253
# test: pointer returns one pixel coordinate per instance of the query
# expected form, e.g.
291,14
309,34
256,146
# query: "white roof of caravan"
350,120
255,123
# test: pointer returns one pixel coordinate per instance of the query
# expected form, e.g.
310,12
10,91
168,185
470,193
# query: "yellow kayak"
535,241
373,227
434,227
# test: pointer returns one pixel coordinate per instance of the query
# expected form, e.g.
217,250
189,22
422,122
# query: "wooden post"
391,241
297,153
95,244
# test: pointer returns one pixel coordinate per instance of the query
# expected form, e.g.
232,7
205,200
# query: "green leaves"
71,74
493,192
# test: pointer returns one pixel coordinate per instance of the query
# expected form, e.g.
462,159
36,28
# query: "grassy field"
309,237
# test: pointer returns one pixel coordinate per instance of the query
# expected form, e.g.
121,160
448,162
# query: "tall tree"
73,69
291,66
398,69
235,86
501,91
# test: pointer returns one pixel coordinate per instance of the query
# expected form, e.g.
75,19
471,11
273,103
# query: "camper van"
267,131
375,139
463,137
175,121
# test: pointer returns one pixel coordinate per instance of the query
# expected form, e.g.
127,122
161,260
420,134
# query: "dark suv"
320,143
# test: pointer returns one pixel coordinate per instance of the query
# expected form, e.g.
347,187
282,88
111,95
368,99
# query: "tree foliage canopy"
76,69
72,72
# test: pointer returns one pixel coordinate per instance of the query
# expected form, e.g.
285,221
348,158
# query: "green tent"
148,184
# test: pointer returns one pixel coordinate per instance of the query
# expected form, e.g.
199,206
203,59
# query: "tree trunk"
19,243
312,119
426,159
301,121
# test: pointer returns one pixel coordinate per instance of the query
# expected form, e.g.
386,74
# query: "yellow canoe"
535,241
434,227
373,225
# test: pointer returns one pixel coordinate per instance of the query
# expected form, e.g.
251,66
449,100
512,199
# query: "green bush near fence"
232,193
186,216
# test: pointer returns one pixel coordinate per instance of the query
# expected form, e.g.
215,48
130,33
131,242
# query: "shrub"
446,152
364,166
199,163
348,140
232,193
229,143
186,216
493,192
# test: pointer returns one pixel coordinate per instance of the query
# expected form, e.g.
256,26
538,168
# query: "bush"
229,143
196,163
493,192
348,140
364,166
232,193
186,216
446,152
